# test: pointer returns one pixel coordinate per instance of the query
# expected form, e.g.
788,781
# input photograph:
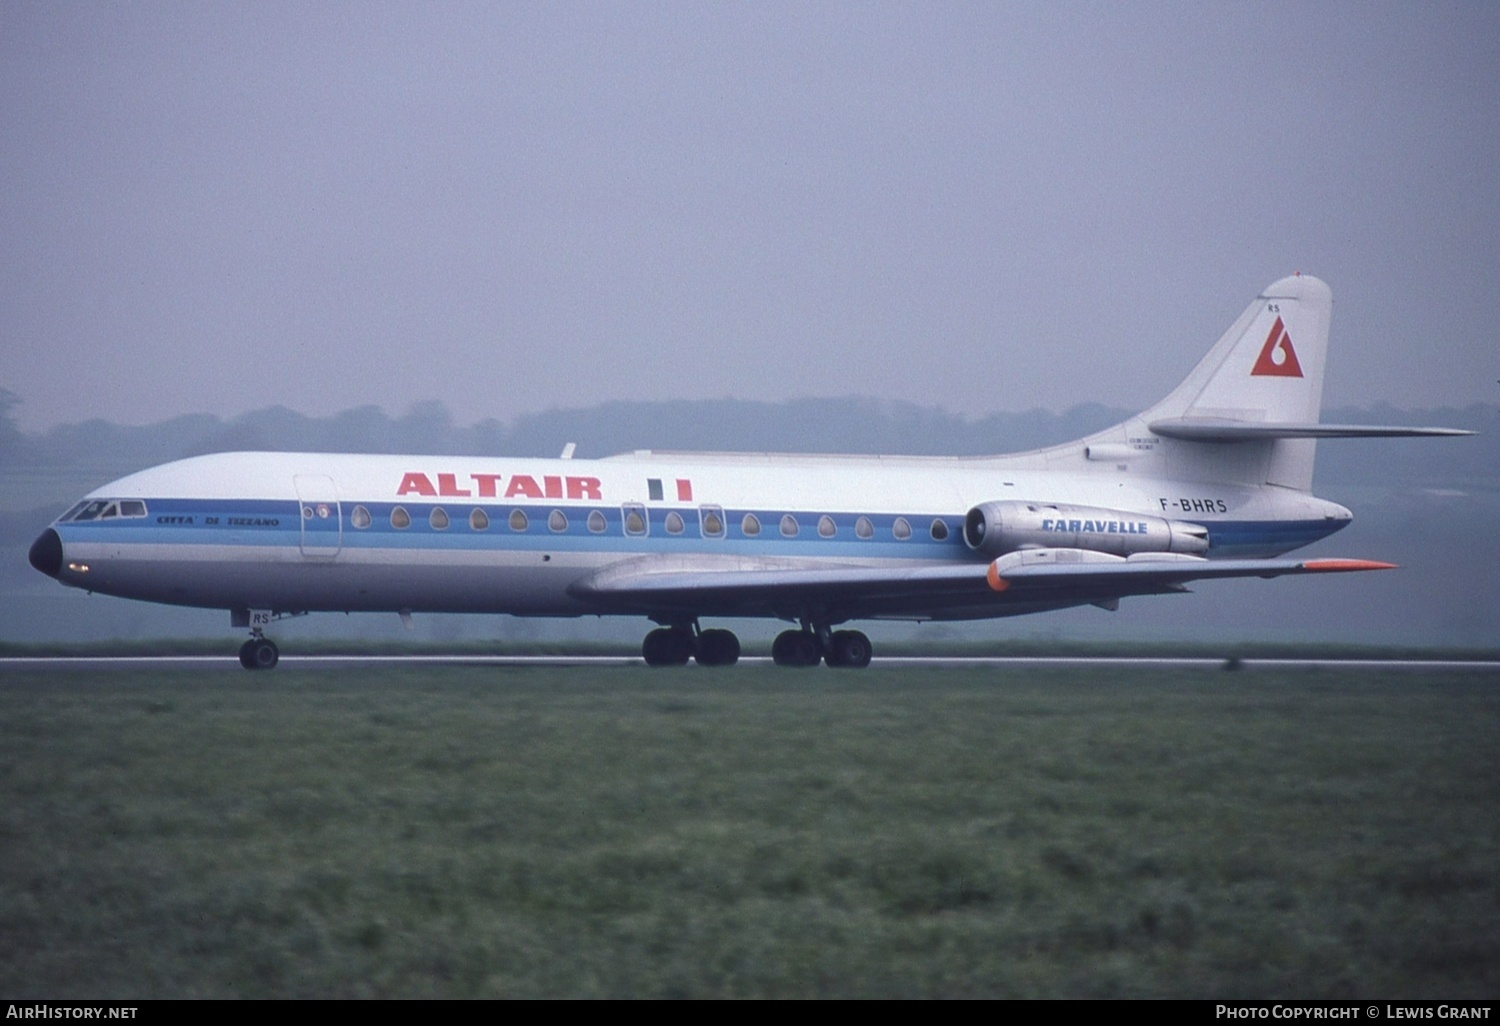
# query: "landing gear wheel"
849,649
717,648
259,654
795,648
667,646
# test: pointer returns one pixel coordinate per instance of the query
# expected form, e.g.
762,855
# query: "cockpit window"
92,510
105,509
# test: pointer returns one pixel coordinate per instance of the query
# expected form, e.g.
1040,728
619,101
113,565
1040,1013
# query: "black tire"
781,648
795,648
667,646
851,649
259,654
717,648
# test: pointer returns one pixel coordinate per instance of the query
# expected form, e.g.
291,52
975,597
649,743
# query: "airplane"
1214,481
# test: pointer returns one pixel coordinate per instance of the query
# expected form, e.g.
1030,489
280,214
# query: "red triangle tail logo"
1277,357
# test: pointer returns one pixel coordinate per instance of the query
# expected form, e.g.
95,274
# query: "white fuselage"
295,532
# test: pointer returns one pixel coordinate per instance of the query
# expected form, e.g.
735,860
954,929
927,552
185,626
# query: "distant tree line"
846,424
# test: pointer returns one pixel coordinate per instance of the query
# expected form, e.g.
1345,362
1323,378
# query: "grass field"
749,832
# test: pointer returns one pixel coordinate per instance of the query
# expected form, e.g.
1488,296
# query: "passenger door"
322,522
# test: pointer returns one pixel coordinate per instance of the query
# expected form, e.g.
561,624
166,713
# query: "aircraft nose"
46,553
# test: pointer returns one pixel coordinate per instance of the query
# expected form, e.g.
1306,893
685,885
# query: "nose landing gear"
259,653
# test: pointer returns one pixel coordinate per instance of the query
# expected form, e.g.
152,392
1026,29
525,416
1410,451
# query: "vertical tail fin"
1266,369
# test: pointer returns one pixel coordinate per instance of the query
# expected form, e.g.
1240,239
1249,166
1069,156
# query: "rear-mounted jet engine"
995,528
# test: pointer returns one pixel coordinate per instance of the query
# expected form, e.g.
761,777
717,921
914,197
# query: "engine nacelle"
995,528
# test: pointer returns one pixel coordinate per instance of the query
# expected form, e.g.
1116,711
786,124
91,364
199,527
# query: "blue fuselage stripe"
274,523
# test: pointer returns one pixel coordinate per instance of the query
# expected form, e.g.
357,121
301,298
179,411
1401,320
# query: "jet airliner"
1213,481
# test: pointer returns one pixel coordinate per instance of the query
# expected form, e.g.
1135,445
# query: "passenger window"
518,520
438,519
939,530
674,522
901,529
789,526
479,520
596,522
826,526
557,520
750,526
359,517
635,520
400,519
711,519
863,528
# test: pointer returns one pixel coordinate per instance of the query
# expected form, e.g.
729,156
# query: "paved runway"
230,661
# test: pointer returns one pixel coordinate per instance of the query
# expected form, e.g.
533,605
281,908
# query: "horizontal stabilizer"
1212,429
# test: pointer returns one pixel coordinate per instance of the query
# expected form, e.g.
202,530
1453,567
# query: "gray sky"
510,207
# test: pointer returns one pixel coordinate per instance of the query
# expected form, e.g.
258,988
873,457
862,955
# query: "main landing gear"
675,645
808,647
259,653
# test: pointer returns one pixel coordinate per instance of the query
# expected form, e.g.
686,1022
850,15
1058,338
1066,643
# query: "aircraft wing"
702,586
1018,582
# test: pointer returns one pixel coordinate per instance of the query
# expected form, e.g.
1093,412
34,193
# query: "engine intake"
995,528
